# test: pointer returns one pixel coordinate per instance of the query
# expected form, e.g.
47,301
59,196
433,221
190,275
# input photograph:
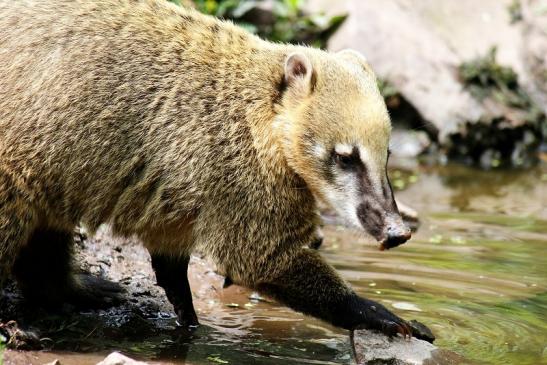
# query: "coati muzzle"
387,228
396,232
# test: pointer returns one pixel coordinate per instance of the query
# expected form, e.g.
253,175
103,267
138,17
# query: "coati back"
192,134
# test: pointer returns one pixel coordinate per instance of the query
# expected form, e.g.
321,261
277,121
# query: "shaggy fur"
183,130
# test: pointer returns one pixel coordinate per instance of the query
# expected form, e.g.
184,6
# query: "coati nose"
396,235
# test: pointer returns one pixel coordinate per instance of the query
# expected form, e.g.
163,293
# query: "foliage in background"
515,11
3,341
276,20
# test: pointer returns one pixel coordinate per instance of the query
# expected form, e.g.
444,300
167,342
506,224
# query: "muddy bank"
143,323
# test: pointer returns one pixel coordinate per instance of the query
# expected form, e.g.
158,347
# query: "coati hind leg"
172,276
17,221
43,270
309,285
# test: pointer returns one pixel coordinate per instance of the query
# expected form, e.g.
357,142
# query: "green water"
475,273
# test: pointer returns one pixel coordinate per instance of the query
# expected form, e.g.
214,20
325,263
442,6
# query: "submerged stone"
370,347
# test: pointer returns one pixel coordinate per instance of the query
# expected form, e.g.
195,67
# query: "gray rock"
370,347
534,50
408,144
54,362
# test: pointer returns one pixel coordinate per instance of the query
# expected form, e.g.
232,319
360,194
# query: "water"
475,273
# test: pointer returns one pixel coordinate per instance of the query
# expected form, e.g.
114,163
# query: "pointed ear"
355,57
299,71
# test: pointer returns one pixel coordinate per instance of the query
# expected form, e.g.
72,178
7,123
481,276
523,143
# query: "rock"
408,144
534,50
54,362
17,338
116,358
401,48
370,347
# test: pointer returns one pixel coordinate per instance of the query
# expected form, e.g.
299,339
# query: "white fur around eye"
343,149
319,151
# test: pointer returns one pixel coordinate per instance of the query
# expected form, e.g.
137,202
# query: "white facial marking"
373,169
345,205
345,196
319,151
343,148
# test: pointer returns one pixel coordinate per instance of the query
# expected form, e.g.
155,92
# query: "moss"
485,78
515,11
497,141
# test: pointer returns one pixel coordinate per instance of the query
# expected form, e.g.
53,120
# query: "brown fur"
178,128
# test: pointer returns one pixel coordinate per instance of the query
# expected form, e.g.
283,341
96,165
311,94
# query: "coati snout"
392,232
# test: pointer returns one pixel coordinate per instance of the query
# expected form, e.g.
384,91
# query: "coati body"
193,135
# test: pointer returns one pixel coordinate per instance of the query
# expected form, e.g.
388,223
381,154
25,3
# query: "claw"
404,330
408,336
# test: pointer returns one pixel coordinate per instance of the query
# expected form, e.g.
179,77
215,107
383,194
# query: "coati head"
335,132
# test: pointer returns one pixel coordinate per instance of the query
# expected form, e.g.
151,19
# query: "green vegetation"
515,11
519,123
278,20
485,78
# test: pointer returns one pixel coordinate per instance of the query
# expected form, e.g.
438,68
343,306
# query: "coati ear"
299,72
355,57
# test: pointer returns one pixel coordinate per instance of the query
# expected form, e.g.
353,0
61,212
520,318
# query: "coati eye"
346,161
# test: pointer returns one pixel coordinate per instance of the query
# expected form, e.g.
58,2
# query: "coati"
191,134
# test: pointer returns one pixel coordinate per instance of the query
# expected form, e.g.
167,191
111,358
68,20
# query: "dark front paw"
421,331
380,318
187,319
368,314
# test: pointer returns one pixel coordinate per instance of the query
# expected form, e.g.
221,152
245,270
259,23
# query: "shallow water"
475,273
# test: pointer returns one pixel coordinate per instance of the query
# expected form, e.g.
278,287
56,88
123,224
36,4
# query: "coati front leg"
309,285
172,276
43,271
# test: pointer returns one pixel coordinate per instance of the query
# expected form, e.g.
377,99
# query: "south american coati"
191,134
